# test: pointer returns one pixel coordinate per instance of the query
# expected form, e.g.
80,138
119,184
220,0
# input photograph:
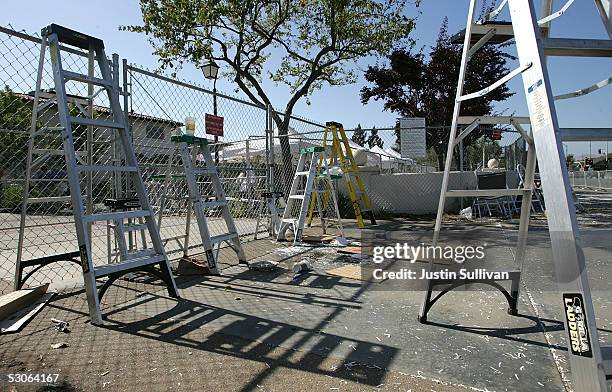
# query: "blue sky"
342,103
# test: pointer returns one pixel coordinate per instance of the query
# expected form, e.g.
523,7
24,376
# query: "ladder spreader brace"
590,363
152,260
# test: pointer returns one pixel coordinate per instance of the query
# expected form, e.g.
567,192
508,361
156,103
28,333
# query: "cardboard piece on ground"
350,250
318,238
12,302
19,319
348,271
192,266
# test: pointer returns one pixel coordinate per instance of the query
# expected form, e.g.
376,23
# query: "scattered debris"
59,345
61,325
316,239
340,241
263,265
302,267
350,250
105,373
466,213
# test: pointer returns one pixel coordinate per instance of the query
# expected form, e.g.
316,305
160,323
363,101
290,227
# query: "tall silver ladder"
590,364
189,148
153,260
312,180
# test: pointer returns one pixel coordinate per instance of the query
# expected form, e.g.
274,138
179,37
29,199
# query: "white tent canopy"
257,146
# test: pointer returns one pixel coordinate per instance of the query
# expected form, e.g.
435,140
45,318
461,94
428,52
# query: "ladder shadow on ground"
539,326
264,336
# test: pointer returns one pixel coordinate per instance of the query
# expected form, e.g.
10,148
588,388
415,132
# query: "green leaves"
301,44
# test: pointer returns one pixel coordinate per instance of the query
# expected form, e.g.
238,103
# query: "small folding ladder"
342,155
152,260
315,182
195,176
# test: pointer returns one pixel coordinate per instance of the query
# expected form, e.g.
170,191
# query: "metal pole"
461,155
272,157
268,130
215,113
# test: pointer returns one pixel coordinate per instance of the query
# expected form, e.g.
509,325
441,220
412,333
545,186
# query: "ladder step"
53,199
109,216
577,47
130,264
96,123
298,197
606,356
44,129
289,220
134,227
486,192
213,204
68,75
106,168
502,32
223,237
51,151
302,173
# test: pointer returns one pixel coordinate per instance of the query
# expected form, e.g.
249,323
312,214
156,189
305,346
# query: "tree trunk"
284,183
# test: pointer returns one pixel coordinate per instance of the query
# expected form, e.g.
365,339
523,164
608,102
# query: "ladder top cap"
189,139
311,149
72,37
333,123
503,33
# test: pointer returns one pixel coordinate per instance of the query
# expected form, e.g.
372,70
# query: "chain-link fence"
253,156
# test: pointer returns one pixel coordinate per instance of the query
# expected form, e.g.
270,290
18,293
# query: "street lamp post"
211,71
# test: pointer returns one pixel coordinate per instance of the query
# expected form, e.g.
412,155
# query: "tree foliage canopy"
415,85
299,43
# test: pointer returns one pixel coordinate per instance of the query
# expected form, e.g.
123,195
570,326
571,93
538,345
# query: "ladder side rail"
312,172
603,6
332,191
26,188
196,201
347,175
130,157
220,196
290,202
73,179
570,267
319,166
454,124
449,153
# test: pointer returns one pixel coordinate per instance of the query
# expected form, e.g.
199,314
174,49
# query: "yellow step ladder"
342,154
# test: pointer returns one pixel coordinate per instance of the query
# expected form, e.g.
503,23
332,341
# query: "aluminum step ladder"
307,181
152,260
189,149
341,155
590,364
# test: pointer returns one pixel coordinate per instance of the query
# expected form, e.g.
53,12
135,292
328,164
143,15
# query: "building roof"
104,109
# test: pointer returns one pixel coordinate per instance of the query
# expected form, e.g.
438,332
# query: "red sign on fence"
497,135
213,124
